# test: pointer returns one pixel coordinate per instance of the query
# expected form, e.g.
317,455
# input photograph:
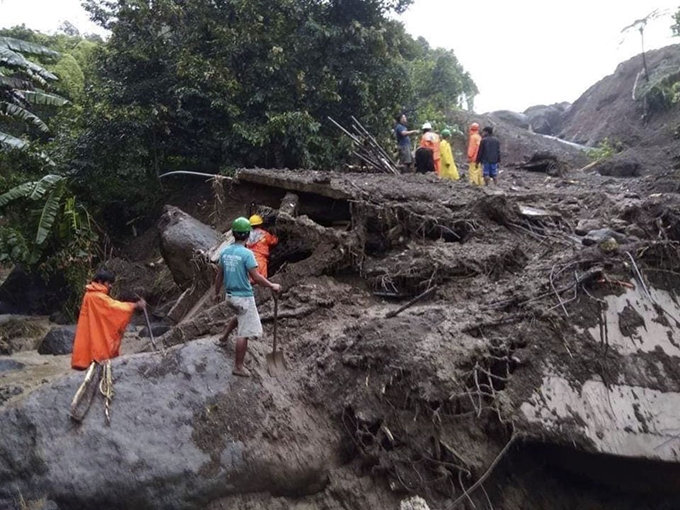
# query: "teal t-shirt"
236,260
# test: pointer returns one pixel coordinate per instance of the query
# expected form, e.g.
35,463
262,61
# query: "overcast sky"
520,53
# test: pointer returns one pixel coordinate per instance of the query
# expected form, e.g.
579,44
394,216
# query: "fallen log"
289,204
423,295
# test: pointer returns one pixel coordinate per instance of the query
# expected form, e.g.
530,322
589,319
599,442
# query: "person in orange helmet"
260,243
475,169
430,140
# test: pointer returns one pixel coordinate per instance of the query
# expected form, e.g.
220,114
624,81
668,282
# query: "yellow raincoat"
449,169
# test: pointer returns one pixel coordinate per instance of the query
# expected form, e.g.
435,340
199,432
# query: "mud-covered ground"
430,402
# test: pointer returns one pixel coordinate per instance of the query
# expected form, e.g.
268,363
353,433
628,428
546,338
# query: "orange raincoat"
431,141
101,324
475,169
260,242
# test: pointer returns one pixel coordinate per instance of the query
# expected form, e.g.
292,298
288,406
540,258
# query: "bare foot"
241,372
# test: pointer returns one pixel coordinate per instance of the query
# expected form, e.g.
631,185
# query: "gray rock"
156,329
182,236
58,341
516,119
184,432
547,120
618,224
43,505
601,235
7,365
585,226
636,231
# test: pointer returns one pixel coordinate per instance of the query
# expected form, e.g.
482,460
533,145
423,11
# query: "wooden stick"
411,303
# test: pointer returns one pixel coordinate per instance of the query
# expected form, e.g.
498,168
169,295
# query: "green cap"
241,225
446,132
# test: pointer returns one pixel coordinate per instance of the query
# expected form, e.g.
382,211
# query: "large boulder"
547,120
58,341
7,365
184,431
183,237
513,118
24,292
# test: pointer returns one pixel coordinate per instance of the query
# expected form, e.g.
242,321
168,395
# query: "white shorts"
249,325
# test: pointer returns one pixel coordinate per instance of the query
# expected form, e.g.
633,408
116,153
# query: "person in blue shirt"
403,136
237,268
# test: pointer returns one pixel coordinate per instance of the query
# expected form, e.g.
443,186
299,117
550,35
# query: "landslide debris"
472,395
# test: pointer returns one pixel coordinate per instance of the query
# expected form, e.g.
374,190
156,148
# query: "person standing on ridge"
237,264
404,142
448,169
101,324
260,243
489,155
475,169
430,140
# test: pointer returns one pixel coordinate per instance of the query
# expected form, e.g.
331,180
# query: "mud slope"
607,110
541,373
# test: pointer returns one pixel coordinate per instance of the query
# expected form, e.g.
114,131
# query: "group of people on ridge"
434,153
102,320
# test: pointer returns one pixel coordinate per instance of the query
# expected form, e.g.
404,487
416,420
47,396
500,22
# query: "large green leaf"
17,112
38,97
13,60
27,47
32,190
12,142
49,214
14,82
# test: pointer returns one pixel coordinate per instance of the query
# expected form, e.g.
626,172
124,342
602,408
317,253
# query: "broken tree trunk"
289,204
334,250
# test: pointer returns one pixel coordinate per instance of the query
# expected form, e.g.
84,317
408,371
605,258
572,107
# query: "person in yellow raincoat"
448,165
475,169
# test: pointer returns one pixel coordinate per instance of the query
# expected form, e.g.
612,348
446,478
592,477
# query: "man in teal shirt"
237,268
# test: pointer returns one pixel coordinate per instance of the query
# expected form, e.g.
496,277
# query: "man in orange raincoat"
260,243
430,140
101,323
475,169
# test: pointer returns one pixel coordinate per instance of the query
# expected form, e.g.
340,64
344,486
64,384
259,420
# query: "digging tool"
148,326
276,362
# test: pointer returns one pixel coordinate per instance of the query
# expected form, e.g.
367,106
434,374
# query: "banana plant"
18,91
49,188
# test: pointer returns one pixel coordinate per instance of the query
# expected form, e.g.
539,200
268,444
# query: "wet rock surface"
58,341
194,433
182,239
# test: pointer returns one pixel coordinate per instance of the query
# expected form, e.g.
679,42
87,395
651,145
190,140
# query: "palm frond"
32,190
15,82
27,47
14,60
12,142
17,112
49,214
38,97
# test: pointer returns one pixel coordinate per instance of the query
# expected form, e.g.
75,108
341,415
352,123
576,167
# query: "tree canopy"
214,85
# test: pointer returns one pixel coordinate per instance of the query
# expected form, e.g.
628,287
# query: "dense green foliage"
209,85
212,85
43,226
